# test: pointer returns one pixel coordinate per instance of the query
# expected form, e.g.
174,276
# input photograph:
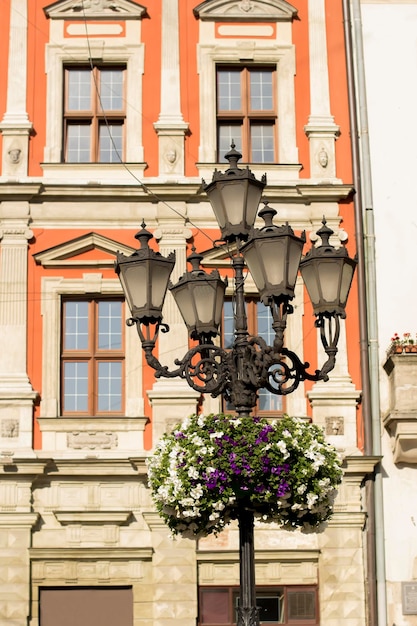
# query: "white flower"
301,489
196,492
311,499
193,472
282,446
217,435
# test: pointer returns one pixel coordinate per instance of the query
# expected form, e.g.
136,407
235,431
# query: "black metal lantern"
199,297
273,255
327,274
144,277
234,196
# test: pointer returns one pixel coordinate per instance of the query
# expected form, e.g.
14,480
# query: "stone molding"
62,254
80,9
97,518
118,50
245,10
53,288
280,53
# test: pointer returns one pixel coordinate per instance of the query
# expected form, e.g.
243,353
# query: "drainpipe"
368,317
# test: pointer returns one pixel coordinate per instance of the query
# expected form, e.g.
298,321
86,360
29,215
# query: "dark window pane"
301,605
270,604
214,607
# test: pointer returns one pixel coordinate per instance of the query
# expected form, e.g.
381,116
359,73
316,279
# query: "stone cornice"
88,554
128,468
245,10
154,190
261,556
96,518
62,255
359,465
76,9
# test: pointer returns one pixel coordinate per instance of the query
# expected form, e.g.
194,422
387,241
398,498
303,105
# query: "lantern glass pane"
329,276
294,258
273,254
219,303
253,199
254,260
347,276
216,201
204,296
134,282
185,303
159,277
234,200
309,277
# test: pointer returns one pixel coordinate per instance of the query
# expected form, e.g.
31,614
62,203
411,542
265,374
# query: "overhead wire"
126,167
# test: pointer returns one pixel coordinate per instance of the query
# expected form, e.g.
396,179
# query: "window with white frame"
94,114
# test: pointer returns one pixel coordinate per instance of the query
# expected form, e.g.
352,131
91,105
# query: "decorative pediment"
83,252
245,10
95,9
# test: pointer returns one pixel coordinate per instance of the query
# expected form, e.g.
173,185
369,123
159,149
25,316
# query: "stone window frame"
105,52
228,53
53,290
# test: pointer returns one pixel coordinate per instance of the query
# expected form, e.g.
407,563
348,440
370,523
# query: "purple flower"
282,489
180,435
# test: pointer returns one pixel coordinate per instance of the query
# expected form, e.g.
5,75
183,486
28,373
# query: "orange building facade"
111,113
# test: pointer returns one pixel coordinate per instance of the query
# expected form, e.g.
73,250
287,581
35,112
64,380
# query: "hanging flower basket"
203,472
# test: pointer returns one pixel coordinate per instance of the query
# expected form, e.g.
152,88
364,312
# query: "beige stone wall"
90,522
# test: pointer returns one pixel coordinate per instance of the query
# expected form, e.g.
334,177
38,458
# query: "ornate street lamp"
273,255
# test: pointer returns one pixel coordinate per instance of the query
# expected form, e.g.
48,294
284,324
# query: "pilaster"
17,522
172,399
334,402
174,574
170,126
321,128
16,393
15,125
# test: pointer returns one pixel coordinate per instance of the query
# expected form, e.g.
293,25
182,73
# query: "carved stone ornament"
66,9
171,156
323,158
92,441
9,428
240,10
14,155
335,425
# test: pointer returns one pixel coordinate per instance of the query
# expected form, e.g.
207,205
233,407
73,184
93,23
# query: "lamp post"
273,255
